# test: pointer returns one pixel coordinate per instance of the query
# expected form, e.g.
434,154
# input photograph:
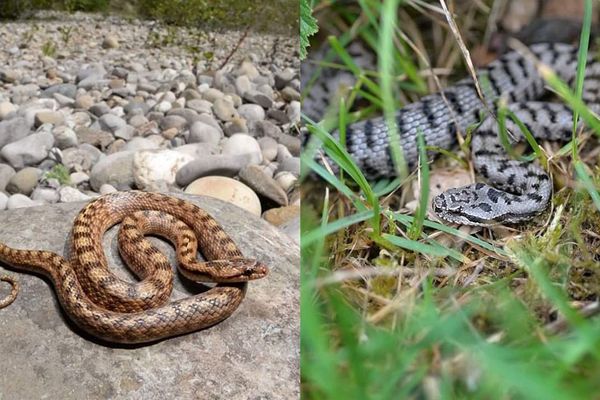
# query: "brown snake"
119,311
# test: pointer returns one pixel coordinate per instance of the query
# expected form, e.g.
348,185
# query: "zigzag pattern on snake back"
123,312
522,189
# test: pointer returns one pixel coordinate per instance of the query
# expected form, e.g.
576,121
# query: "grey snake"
516,190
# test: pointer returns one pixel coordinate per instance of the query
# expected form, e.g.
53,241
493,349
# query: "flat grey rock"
254,354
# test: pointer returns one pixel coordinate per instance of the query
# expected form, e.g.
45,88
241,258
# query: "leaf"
308,27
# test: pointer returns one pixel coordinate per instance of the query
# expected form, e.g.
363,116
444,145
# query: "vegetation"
49,48
277,16
397,306
60,173
16,8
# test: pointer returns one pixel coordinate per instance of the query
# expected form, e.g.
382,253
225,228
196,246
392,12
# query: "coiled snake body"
119,311
518,190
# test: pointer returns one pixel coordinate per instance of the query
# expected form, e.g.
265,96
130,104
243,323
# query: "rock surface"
252,355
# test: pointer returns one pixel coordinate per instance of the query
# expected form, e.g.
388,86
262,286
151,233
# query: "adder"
516,190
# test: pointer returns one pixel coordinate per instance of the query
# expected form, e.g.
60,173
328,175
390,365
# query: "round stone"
24,181
240,143
153,169
251,112
110,42
201,132
224,110
228,190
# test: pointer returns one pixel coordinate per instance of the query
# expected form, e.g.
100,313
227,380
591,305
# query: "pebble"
263,185
20,200
66,89
243,84
292,144
63,101
290,94
115,169
106,189
266,128
256,97
69,194
99,109
140,143
136,105
44,194
209,120
173,121
281,215
84,101
251,112
237,125
154,169
30,150
283,153
198,150
12,130
111,123
94,70
290,164
293,111
228,190
119,115
283,78
24,181
77,178
82,157
286,180
110,42
247,68
224,110
222,165
190,116
239,144
6,109
268,147
212,95
64,137
201,132
6,172
49,117
138,120
200,106
9,76
125,132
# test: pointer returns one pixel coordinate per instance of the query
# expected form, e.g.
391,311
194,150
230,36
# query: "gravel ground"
90,105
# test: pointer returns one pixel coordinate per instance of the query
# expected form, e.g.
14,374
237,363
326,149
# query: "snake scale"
119,311
517,190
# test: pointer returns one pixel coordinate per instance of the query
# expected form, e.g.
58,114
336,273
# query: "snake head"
241,270
466,206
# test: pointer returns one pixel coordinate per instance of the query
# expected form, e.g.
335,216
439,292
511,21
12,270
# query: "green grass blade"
587,182
568,96
584,42
436,251
320,233
407,220
385,53
417,226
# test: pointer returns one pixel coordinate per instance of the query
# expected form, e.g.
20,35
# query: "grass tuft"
401,306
